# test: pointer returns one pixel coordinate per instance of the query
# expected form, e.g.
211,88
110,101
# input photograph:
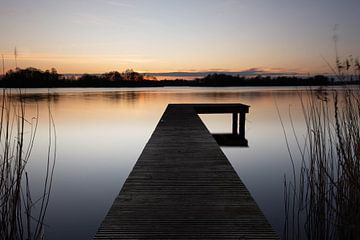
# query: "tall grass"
322,199
21,216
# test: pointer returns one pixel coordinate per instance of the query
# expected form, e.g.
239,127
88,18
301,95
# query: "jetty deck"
184,187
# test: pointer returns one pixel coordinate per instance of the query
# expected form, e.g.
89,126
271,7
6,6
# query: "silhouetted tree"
131,75
112,76
320,79
89,78
30,77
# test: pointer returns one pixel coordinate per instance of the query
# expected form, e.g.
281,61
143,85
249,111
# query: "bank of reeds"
21,215
322,198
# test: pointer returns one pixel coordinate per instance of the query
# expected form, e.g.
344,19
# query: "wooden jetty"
184,187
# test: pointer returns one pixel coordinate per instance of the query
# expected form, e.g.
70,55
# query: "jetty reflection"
238,111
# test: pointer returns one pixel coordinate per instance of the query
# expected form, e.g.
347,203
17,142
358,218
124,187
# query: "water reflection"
101,133
36,97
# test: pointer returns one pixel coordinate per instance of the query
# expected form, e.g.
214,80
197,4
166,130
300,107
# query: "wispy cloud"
268,72
120,3
219,70
91,19
39,57
246,72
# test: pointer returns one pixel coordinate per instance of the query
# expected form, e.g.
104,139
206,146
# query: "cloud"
91,19
218,70
267,72
246,73
83,58
121,4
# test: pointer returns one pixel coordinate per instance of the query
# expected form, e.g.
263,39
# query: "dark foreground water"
101,133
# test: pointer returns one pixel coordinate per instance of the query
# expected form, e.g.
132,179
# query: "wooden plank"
183,187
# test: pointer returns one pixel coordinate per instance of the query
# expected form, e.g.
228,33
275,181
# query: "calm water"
101,133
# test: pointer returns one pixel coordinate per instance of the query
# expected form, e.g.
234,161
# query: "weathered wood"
183,187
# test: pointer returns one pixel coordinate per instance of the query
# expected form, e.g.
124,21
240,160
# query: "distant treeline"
33,78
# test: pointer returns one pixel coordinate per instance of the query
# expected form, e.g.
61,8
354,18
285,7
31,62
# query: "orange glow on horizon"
100,63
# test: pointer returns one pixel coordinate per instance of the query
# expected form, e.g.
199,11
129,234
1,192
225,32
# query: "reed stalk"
322,198
19,215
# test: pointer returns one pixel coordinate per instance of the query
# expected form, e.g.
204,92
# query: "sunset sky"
94,36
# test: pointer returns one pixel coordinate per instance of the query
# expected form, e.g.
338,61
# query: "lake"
100,134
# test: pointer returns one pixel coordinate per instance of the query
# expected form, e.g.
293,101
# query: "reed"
322,198
21,217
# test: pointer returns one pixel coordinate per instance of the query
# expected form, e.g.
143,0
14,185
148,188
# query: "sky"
95,36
